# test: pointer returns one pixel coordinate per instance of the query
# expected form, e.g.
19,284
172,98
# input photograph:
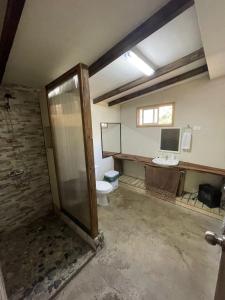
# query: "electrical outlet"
196,128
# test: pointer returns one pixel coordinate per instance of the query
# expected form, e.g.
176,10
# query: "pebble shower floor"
37,260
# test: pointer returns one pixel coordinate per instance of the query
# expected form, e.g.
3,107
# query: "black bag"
209,195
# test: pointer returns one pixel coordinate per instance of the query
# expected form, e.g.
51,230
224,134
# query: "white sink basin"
165,162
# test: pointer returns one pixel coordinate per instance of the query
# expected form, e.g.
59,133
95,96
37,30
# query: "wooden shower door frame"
3,295
81,71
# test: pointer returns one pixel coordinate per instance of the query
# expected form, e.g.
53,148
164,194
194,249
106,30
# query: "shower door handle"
213,239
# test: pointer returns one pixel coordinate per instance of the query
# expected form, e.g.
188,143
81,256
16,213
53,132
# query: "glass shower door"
70,116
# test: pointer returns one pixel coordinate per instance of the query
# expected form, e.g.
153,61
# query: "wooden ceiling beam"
12,17
190,58
160,85
164,15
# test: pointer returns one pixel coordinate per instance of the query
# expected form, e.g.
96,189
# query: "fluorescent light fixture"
139,63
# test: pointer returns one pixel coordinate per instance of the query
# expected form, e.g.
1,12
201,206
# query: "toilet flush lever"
214,239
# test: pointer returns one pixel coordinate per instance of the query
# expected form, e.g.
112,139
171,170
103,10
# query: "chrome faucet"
16,172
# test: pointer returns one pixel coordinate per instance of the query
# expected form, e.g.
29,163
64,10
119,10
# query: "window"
155,115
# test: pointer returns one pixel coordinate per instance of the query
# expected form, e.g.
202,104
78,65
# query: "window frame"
152,107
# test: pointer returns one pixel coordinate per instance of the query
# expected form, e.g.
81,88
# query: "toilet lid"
103,186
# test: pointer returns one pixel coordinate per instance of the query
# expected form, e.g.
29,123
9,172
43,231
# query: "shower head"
7,97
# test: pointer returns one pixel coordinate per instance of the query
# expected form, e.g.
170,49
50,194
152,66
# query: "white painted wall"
193,179
111,138
102,113
211,24
199,102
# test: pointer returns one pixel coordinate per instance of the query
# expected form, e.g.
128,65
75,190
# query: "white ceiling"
115,74
53,36
169,75
211,17
178,38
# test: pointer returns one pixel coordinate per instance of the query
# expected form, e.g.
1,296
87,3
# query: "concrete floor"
154,251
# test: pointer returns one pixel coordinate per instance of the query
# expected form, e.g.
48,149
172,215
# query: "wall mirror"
170,139
111,138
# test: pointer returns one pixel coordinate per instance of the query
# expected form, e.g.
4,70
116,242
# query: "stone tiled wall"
24,181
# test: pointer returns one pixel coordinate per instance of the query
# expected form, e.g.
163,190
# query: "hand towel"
186,141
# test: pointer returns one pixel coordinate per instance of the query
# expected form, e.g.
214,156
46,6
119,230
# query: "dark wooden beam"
155,22
190,58
12,17
160,85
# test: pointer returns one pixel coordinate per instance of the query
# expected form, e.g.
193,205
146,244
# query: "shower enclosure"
71,128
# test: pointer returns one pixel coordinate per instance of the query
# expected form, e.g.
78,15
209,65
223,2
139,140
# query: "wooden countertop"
182,165
108,154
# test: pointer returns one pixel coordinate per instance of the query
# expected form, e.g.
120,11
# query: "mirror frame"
106,154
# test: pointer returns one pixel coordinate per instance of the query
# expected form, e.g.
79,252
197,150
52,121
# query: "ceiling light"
139,63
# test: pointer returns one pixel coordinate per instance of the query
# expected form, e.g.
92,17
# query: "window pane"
166,114
156,114
148,116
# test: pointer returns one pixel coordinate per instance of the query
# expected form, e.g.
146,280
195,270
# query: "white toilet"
102,188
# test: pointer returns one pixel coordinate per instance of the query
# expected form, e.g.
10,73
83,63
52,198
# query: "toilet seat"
103,187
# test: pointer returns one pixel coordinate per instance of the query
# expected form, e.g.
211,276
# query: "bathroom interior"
101,153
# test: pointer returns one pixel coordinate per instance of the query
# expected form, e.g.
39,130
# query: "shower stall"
71,129
39,252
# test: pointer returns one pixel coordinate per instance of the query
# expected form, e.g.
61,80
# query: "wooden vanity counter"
106,154
182,166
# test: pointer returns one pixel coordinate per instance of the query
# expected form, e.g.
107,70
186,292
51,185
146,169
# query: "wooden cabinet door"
162,179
